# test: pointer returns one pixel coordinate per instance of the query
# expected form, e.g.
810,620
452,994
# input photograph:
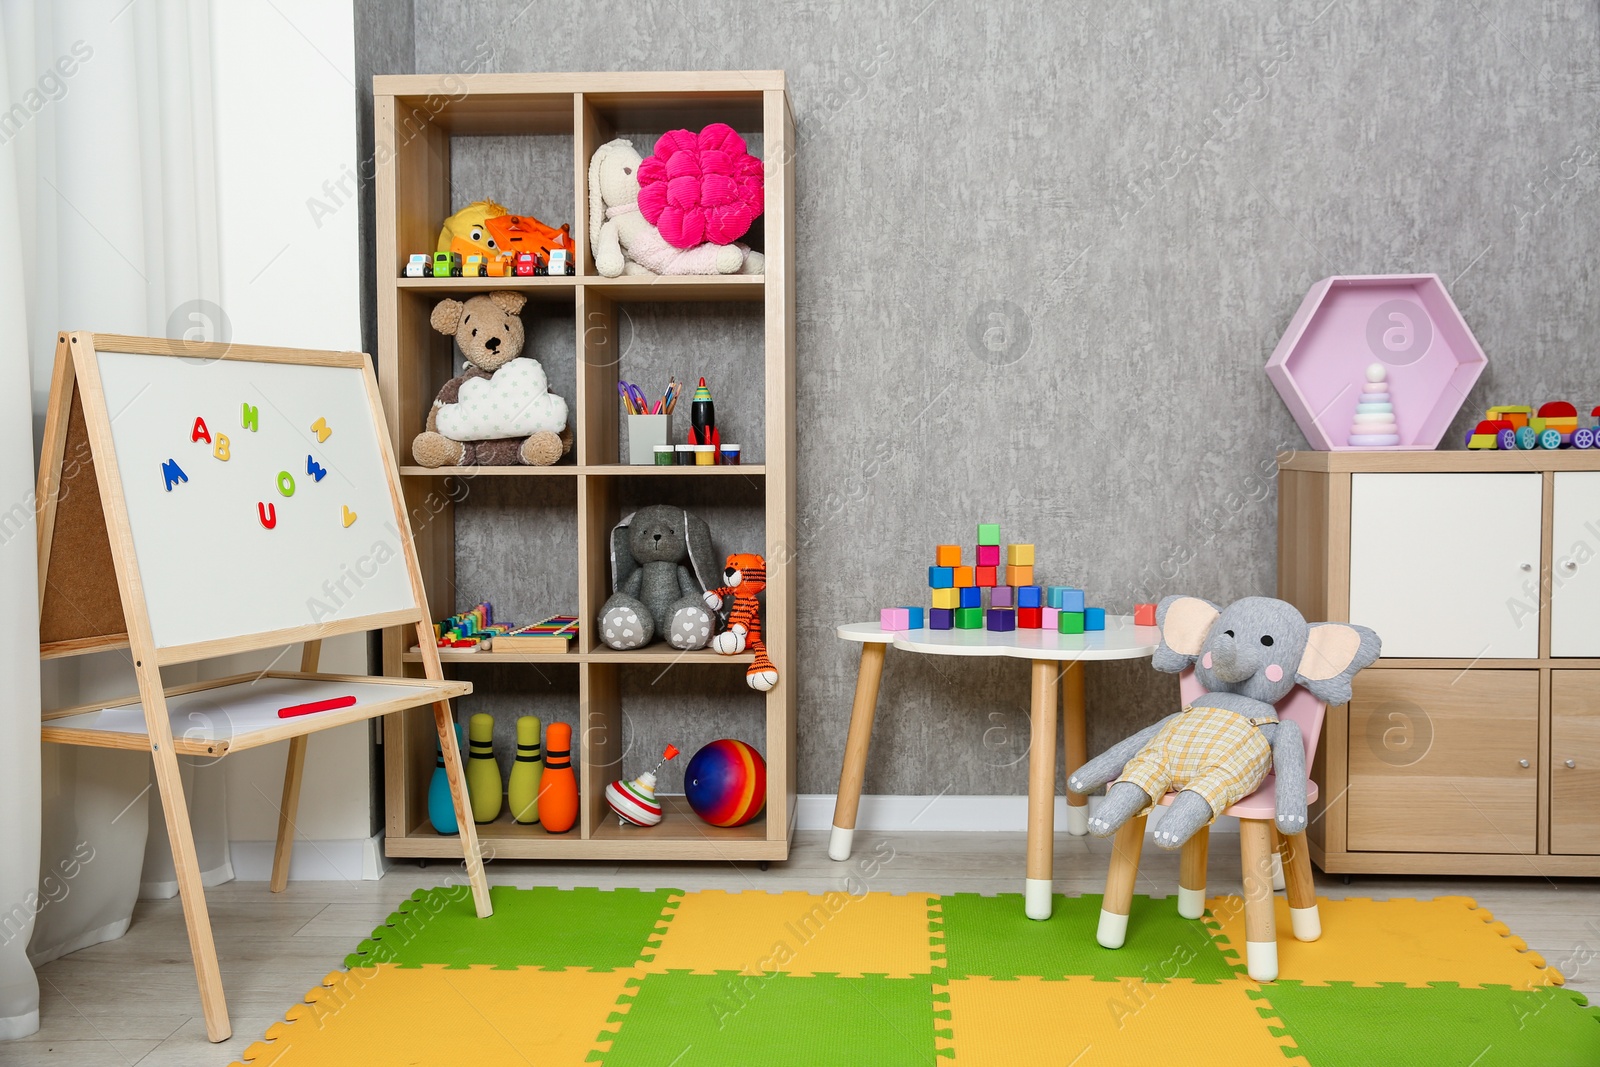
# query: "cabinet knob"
1572,763
1569,565
1522,763
1527,566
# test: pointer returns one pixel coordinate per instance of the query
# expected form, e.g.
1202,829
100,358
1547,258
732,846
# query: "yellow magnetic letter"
220,449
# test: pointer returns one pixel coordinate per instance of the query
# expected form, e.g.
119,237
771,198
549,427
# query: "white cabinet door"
1575,565
1447,565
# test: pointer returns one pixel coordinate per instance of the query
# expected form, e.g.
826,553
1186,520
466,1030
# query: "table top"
1121,639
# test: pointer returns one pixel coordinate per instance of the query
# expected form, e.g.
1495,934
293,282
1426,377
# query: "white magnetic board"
210,566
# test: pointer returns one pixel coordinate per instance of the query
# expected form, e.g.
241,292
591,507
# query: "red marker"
314,706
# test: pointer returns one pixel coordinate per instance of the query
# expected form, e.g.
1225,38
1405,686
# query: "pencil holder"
645,432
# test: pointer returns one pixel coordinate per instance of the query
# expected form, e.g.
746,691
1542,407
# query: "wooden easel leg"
1075,736
1037,903
862,712
293,769
1260,925
1303,914
445,723
1192,875
1117,904
193,895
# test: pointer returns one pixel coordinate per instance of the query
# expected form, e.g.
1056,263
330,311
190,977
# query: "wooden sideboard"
1473,745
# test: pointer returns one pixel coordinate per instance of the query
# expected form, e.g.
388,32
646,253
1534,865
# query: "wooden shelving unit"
427,121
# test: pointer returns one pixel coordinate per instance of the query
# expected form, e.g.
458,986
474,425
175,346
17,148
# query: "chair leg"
1303,914
1118,902
1260,929
1192,875
1278,883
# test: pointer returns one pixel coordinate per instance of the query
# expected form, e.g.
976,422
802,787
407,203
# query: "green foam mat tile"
1341,1025
779,1020
990,937
539,927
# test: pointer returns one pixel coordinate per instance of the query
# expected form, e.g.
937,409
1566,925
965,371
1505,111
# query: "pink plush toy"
701,187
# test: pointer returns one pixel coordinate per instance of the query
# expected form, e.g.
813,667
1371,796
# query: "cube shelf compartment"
428,130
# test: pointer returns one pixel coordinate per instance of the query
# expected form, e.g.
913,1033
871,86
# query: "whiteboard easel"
156,537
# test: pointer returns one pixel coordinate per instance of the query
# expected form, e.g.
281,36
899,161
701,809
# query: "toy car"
447,264
560,262
476,267
502,266
527,264
418,266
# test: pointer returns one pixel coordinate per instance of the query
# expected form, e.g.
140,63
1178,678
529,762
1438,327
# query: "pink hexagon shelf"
1408,325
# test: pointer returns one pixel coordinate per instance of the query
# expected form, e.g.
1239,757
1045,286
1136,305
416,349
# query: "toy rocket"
635,802
703,418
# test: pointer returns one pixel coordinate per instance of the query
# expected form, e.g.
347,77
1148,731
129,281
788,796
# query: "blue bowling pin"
441,810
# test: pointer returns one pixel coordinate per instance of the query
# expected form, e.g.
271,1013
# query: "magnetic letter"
286,483
349,516
172,474
315,469
220,449
250,418
268,513
200,433
320,428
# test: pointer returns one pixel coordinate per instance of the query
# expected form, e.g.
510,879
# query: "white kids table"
1053,656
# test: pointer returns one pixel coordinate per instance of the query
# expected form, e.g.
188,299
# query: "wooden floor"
133,1001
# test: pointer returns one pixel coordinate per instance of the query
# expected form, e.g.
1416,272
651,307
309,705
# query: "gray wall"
1128,202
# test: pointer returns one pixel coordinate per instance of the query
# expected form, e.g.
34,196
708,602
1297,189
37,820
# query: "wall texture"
1043,253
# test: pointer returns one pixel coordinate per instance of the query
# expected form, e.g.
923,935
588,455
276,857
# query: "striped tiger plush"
746,576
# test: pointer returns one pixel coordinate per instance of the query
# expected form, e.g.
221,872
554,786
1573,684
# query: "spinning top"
635,802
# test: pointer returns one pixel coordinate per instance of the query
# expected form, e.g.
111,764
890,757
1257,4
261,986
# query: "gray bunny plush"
655,594
1219,749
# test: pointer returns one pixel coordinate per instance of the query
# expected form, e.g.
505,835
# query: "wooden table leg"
1041,792
1075,735
868,675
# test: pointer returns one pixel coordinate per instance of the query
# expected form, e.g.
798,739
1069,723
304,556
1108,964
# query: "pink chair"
1258,841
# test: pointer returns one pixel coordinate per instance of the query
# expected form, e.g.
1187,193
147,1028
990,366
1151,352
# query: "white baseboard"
354,860
901,814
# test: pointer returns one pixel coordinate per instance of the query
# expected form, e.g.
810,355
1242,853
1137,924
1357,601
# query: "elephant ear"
703,562
1335,651
1184,622
622,562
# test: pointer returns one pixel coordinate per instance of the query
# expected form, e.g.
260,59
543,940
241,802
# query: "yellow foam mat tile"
798,933
1409,942
443,1017
1086,1023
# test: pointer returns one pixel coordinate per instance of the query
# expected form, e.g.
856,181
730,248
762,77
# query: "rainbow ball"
726,783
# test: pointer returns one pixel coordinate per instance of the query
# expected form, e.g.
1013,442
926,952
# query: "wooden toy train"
1516,426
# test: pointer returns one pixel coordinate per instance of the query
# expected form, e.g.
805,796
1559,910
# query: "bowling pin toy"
483,771
441,809
635,802
523,791
558,789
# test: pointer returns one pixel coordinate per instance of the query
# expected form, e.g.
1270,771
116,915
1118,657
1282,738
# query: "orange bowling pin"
558,789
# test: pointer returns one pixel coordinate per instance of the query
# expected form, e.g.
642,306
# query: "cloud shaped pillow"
514,402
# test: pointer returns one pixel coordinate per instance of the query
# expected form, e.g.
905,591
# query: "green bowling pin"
526,772
483,772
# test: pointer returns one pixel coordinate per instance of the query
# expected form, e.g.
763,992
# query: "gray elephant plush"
1219,748
654,593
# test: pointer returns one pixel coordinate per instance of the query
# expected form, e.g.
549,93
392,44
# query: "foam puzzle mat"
629,978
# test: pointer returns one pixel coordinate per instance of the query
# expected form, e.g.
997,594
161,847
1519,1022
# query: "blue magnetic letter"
315,469
172,473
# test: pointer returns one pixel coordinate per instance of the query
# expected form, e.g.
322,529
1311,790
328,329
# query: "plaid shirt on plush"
1217,753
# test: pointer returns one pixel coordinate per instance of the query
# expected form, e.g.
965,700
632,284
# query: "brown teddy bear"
500,411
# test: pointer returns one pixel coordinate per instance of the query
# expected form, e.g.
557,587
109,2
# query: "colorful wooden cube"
986,577
947,555
1002,620
947,598
971,597
963,576
1049,618
1019,555
1070,622
914,618
969,618
1000,597
1053,595
1019,575
988,555
1071,600
1144,614
941,618
941,577
1094,618
894,619
988,533
1029,618
1030,596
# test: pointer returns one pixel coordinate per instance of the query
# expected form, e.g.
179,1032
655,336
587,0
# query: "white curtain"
108,221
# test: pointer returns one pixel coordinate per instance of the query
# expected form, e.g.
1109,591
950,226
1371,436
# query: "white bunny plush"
624,242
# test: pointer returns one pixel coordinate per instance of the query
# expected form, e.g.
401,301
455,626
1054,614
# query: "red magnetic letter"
200,433
269,515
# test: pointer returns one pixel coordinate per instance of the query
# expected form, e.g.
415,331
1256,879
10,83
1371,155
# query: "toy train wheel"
1506,440
1527,439
1583,437
1550,439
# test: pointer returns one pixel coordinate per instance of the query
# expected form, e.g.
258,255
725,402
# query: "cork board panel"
81,599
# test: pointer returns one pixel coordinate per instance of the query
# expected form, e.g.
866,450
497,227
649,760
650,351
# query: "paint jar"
685,455
665,455
705,455
730,455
